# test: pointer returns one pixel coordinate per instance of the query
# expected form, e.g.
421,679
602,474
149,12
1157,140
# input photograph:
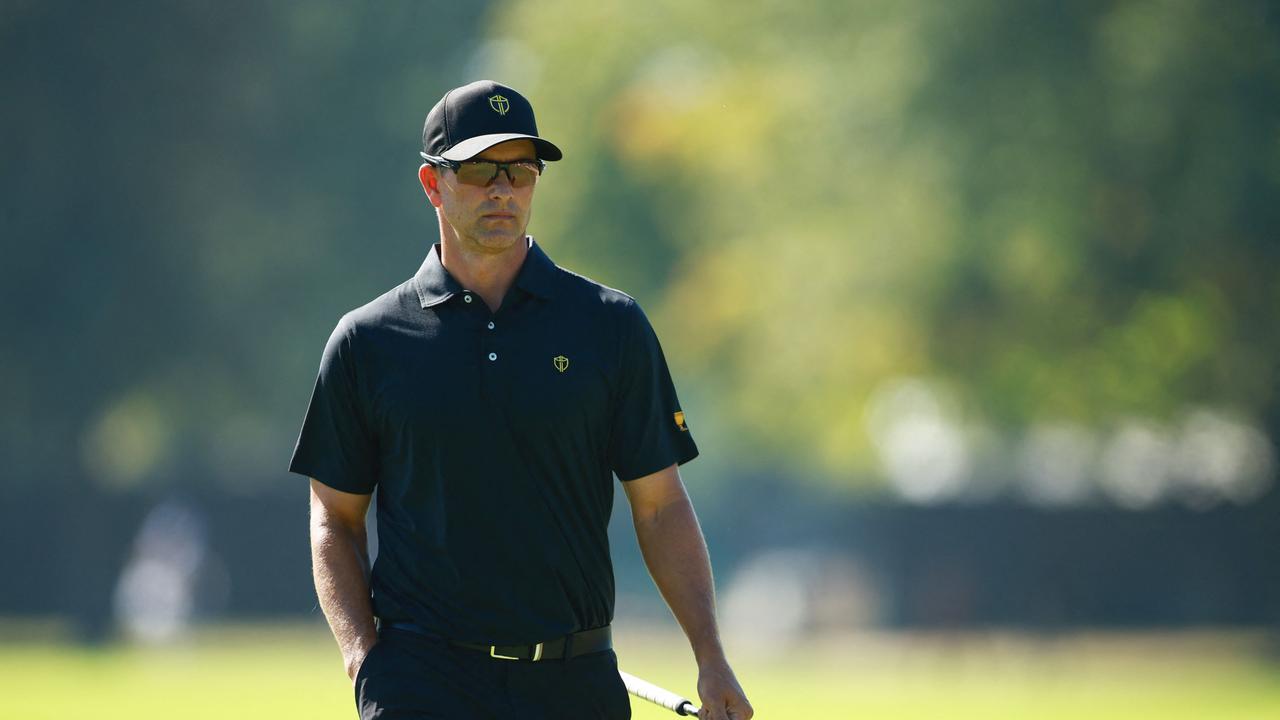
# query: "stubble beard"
477,235
492,237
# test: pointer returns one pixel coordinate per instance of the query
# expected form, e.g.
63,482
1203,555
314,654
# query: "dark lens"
477,173
522,174
480,172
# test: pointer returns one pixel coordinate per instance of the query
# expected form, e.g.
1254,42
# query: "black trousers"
410,676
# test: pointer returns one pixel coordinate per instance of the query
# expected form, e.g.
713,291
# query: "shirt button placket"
490,343
490,356
490,349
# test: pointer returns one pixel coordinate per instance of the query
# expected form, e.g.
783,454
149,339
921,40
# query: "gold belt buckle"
537,653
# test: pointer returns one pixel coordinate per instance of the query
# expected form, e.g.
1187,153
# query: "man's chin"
495,242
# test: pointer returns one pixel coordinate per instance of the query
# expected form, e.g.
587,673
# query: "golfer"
489,400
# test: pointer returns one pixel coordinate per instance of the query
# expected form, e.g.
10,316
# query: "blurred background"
971,306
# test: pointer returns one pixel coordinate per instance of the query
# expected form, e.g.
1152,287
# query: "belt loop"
568,647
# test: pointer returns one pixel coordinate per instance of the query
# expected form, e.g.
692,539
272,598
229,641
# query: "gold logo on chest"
561,362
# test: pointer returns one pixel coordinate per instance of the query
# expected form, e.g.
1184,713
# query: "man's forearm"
339,565
676,555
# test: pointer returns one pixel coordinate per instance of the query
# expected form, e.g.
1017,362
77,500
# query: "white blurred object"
155,596
1222,458
1137,465
1056,463
779,595
924,452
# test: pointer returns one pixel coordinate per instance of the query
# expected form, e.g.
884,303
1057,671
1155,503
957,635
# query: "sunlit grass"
247,672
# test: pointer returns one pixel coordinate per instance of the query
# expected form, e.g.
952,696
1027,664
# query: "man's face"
486,219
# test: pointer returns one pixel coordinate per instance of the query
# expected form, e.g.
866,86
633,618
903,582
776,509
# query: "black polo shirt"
492,439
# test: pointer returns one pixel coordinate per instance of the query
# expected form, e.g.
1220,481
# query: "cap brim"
471,147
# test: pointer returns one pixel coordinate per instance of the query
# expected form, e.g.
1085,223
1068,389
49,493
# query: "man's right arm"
340,566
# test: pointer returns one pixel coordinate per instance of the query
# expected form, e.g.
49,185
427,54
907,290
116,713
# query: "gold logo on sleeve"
561,362
680,421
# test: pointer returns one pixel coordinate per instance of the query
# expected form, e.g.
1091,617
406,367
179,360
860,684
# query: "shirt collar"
538,274
435,285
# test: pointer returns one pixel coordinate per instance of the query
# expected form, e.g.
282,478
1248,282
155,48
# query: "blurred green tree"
1057,211
195,193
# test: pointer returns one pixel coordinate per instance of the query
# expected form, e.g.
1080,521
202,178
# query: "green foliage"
1059,212
198,193
1056,211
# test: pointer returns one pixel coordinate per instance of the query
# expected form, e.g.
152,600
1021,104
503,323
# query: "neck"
489,275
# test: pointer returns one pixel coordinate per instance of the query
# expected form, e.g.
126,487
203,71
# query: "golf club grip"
658,696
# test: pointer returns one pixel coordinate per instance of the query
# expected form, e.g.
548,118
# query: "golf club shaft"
658,696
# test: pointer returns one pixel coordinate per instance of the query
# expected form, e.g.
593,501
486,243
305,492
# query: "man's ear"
430,183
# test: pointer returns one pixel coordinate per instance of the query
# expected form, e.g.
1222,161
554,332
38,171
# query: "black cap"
473,118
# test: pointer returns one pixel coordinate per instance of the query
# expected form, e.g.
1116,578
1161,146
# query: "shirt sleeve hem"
327,478
681,458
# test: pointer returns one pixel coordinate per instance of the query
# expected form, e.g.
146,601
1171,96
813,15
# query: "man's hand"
676,554
722,696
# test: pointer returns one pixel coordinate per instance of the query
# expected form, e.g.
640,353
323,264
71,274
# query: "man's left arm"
676,554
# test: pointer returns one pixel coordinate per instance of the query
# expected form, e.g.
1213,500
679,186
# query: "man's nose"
501,185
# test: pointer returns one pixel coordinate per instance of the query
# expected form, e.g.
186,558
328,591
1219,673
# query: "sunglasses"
482,173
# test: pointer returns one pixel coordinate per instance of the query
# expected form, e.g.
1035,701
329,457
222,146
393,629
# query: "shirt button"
466,297
493,356
490,324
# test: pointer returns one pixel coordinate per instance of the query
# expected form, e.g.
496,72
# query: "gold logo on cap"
499,104
561,362
680,421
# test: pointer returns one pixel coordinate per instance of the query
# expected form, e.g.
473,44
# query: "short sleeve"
649,431
336,446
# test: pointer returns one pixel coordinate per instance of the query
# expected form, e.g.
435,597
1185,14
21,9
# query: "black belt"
568,646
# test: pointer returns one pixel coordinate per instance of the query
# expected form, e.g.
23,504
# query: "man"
489,400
